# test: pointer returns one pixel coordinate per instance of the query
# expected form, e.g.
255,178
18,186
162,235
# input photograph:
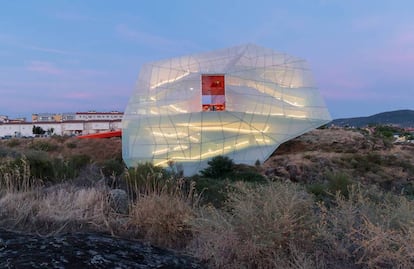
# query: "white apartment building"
76,123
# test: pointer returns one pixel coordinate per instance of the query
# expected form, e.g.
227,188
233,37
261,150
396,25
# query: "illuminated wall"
242,102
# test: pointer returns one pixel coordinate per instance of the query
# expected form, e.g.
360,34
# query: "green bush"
219,167
112,167
339,182
145,177
71,168
212,191
40,165
335,183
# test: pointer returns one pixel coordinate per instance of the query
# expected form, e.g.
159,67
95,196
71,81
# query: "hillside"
358,156
401,118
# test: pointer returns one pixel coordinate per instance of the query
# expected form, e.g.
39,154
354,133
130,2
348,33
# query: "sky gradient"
67,56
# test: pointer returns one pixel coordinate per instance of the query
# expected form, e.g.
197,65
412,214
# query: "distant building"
4,118
46,117
76,123
93,115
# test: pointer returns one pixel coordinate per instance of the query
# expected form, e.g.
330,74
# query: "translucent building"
241,102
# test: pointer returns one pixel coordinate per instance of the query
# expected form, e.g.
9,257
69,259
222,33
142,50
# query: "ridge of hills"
401,118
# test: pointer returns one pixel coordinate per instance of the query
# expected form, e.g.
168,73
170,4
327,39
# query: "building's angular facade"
241,102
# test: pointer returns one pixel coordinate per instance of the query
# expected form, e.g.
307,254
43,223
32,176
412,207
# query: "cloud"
142,37
154,41
44,67
78,95
72,16
48,50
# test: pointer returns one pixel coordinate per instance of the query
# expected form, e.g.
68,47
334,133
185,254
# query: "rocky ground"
84,250
359,155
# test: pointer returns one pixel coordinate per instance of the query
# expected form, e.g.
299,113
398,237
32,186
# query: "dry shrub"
263,228
371,229
18,209
161,219
16,176
62,208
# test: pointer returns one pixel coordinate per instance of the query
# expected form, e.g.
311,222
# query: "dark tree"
37,130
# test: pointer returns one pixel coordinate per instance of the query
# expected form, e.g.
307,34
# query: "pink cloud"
44,67
78,95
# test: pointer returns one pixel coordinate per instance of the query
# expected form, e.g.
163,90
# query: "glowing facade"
242,102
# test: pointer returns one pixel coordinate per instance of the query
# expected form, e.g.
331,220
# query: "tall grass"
273,225
372,229
16,176
261,227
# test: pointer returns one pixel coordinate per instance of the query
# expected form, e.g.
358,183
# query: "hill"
401,118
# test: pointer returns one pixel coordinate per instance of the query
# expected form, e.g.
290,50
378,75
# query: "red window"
213,93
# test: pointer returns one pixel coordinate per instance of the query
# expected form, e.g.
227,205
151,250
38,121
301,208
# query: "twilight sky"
66,56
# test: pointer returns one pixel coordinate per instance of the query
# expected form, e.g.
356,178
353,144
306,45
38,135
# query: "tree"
219,167
50,131
37,130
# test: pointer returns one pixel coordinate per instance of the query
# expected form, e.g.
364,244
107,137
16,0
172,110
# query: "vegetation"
319,212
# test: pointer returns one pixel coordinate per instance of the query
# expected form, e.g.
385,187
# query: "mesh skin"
241,102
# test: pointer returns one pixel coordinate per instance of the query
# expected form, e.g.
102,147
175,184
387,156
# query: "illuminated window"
213,96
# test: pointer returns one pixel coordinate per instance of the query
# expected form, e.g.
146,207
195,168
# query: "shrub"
15,176
212,191
57,209
336,183
44,146
112,167
371,229
219,167
40,163
339,182
146,178
161,219
71,145
261,228
13,143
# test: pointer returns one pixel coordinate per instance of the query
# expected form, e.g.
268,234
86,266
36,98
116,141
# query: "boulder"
85,250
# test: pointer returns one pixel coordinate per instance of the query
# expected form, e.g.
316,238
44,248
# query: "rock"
85,250
118,199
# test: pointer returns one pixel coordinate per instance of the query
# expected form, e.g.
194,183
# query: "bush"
13,143
44,146
335,183
212,191
40,164
261,228
219,167
71,145
162,219
370,229
145,178
112,167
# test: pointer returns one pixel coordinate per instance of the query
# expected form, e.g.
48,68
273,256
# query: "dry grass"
372,229
16,178
161,219
262,228
62,208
